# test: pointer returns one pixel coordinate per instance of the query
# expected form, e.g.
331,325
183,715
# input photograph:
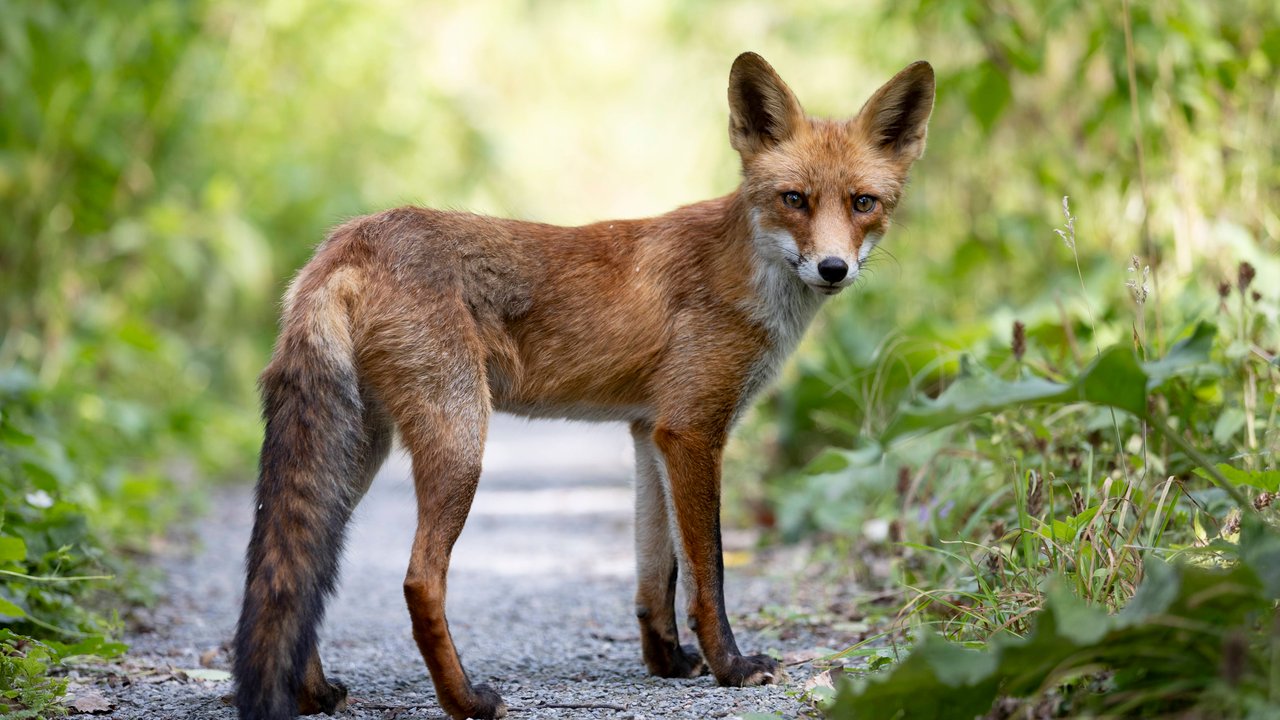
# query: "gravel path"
540,599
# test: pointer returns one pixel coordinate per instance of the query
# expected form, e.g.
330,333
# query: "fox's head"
821,192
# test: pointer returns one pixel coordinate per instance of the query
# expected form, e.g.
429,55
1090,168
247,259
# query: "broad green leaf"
1268,480
1185,355
1228,424
941,679
836,459
1115,379
12,549
11,610
1073,618
1260,550
989,95
10,435
93,645
938,679
977,393
1158,590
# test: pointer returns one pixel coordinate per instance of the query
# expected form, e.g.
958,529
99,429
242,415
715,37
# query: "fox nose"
833,269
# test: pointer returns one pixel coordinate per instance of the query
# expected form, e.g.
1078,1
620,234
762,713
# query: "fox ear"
896,118
762,110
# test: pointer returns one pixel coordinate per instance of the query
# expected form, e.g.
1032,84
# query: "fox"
421,323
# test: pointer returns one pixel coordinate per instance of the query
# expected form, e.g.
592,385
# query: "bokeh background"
165,167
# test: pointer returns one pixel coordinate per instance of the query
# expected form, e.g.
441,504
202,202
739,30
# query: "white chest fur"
783,305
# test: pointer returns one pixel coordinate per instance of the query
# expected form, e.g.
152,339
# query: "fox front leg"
692,460
656,568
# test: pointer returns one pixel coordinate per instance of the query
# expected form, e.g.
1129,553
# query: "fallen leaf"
821,680
92,701
208,656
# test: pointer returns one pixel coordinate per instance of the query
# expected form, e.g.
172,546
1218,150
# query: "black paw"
686,662
669,660
747,670
485,704
329,698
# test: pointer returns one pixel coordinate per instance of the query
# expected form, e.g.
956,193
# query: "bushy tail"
310,456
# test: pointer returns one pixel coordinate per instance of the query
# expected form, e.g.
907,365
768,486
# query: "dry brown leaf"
822,679
89,700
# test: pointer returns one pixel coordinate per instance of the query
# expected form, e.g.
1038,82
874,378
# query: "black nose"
833,269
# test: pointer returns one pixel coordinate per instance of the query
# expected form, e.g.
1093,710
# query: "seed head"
1019,340
1263,500
1069,234
1035,495
1231,525
1224,289
1244,276
995,562
1138,286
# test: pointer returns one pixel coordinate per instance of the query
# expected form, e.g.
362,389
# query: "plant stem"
1147,244
54,579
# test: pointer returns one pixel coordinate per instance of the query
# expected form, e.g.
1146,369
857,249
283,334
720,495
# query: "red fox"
425,322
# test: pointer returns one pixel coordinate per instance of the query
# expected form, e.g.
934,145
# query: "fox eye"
864,203
794,199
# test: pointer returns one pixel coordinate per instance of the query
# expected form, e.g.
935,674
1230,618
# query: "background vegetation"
164,167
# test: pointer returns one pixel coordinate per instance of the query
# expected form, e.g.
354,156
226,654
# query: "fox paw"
329,698
678,661
484,703
751,670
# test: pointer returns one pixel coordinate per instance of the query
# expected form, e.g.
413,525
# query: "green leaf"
938,679
1260,550
93,645
11,610
1067,529
1158,591
1228,424
1114,379
989,95
1186,355
941,679
1268,480
836,459
12,549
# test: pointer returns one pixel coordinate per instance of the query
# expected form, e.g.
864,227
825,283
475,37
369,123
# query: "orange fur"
428,321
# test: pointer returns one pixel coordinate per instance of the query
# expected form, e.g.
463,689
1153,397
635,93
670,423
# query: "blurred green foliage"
164,167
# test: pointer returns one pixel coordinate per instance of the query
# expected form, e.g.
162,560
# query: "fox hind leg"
437,393
319,694
446,451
